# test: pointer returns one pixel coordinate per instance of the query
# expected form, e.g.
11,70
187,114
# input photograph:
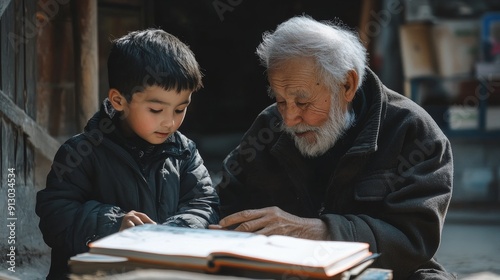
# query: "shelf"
459,115
472,134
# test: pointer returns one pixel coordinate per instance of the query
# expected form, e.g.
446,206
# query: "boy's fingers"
144,218
127,223
136,220
215,226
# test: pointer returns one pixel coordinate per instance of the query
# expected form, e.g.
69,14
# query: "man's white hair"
336,49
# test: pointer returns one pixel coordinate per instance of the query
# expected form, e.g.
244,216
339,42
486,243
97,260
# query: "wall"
20,239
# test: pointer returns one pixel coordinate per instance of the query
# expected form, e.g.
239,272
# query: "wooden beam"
367,6
37,135
84,16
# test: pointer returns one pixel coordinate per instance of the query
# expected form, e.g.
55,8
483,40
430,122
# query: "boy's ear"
117,99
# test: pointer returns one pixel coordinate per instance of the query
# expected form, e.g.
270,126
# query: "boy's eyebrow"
154,100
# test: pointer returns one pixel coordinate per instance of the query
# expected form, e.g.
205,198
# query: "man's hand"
134,218
273,220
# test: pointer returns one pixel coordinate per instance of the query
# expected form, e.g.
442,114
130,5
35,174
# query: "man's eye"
155,111
301,104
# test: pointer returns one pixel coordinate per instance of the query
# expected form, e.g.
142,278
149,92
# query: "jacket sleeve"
69,217
198,202
233,194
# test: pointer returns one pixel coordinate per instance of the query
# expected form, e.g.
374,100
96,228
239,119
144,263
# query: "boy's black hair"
152,57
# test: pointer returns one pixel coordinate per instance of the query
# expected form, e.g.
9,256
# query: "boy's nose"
167,123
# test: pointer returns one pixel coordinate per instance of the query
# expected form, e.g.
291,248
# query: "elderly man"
339,156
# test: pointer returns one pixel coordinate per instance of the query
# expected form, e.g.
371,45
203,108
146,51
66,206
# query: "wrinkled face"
312,114
154,114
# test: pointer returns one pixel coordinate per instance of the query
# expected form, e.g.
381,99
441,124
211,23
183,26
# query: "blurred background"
444,54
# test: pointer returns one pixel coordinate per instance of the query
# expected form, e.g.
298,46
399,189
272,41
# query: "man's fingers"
253,225
241,217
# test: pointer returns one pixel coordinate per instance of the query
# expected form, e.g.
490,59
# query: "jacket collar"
374,92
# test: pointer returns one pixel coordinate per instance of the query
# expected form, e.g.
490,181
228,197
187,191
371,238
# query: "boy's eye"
155,111
180,111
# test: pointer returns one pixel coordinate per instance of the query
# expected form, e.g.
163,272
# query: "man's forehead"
291,92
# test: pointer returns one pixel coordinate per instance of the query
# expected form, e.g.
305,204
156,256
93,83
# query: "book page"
297,251
167,240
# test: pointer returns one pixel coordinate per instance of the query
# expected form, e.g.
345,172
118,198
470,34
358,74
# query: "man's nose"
292,115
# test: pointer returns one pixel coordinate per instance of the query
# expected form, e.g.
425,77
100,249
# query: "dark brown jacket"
391,188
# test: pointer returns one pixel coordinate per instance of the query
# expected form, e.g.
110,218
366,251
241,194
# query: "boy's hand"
134,218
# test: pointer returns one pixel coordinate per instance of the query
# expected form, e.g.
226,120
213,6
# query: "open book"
213,250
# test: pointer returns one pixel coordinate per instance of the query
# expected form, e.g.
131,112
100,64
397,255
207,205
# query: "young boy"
130,166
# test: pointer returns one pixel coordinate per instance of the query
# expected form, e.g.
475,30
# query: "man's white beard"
325,136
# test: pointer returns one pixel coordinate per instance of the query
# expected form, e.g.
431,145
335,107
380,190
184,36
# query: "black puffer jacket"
389,186
94,181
